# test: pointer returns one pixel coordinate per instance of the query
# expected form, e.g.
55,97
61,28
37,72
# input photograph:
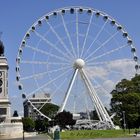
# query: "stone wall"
11,130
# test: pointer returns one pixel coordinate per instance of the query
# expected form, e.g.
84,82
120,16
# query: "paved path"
45,138
41,137
132,138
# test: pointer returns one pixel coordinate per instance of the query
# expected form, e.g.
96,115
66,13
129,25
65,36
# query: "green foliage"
41,124
28,124
126,97
91,134
93,115
49,110
64,118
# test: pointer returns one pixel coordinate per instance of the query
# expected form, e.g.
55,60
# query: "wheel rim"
53,43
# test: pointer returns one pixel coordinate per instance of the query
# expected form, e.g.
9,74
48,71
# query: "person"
57,133
136,132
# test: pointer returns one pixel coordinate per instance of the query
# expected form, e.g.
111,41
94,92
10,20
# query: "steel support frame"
101,111
68,91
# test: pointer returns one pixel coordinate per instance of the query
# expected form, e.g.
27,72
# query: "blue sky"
17,16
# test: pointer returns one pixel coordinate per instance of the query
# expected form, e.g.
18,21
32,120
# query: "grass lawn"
78,134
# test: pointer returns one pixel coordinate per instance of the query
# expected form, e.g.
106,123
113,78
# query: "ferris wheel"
75,52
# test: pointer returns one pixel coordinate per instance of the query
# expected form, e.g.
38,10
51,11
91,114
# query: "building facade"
37,101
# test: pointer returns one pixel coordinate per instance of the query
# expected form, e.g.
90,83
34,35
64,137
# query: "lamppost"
124,123
23,135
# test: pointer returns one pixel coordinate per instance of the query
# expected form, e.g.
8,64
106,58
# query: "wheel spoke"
57,88
61,41
51,44
43,73
87,32
106,62
50,82
96,37
42,62
107,53
47,53
102,45
105,91
120,73
77,33
68,35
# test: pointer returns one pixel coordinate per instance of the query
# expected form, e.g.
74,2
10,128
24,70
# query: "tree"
41,124
64,118
15,114
126,97
49,110
28,124
93,115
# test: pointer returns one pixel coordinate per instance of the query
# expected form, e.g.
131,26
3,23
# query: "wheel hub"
79,63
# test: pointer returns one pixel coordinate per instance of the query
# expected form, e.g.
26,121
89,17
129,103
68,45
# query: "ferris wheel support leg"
68,91
107,115
98,104
91,95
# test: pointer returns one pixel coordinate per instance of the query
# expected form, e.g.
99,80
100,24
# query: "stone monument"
4,101
9,126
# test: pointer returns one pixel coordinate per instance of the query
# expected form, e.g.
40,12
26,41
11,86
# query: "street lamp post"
124,123
23,135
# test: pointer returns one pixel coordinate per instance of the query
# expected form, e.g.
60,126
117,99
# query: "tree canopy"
49,110
41,124
28,124
125,102
64,118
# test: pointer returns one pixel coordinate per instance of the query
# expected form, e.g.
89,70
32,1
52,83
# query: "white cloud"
108,85
125,68
106,76
95,71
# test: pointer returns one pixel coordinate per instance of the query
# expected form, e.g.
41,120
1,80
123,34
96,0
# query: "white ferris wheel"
77,55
